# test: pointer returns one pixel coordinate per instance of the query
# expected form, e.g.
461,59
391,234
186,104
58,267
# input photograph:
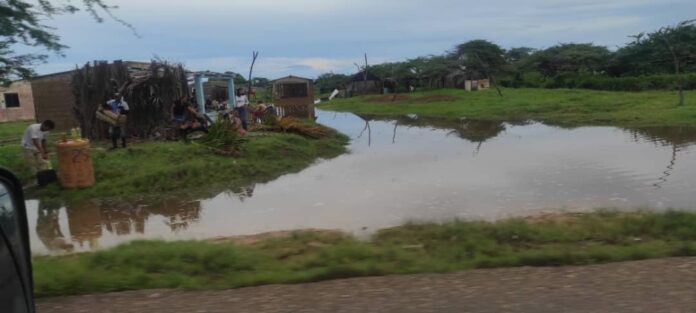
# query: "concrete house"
17,102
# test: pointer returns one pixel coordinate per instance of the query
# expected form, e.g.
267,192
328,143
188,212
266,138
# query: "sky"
310,37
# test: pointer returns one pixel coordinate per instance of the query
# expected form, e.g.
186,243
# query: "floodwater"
408,169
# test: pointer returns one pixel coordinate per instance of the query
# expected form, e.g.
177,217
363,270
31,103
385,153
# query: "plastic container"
75,169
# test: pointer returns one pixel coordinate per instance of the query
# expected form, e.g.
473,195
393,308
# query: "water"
408,169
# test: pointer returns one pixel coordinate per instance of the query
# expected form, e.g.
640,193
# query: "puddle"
404,169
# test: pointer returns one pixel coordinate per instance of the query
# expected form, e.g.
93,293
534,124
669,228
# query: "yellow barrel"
75,168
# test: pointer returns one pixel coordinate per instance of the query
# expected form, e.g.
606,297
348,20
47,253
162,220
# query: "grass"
162,168
571,107
413,248
12,131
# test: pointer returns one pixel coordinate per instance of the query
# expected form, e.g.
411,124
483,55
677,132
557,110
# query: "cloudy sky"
309,37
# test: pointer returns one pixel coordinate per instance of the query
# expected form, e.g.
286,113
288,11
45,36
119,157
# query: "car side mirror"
15,255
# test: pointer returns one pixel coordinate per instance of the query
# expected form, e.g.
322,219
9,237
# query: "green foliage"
481,56
562,106
327,82
223,137
575,239
570,58
601,82
666,50
568,65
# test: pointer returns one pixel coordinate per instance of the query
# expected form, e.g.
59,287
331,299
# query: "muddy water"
405,169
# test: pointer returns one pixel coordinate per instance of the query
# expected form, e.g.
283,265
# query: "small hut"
364,83
149,88
294,96
466,79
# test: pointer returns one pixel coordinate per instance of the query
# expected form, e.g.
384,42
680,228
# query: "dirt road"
667,285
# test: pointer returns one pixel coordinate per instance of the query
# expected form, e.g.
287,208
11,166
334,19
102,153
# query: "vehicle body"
16,282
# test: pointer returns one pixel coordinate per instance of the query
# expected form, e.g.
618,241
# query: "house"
364,83
45,97
465,79
16,102
53,99
294,96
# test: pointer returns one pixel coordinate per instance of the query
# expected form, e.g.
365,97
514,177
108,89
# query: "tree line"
662,59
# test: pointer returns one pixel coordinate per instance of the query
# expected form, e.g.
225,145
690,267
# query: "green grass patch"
413,248
12,131
161,169
570,107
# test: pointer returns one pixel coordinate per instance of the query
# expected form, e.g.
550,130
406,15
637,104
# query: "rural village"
491,175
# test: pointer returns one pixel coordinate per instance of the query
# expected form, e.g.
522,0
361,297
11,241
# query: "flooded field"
405,169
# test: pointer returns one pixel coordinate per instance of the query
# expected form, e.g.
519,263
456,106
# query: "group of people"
186,117
183,113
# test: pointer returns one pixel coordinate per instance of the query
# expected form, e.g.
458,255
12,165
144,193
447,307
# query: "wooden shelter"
294,96
364,83
149,88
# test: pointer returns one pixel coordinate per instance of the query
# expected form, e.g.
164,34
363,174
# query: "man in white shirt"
34,145
118,106
241,107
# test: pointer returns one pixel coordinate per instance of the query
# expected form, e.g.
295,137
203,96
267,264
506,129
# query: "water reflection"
676,137
89,222
48,227
473,130
409,168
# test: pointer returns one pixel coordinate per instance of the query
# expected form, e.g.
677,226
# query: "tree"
237,78
327,82
484,57
20,24
515,55
671,45
571,58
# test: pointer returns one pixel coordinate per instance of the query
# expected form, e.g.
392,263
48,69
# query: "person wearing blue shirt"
118,106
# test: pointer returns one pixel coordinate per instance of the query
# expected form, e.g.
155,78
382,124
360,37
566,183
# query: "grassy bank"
169,168
415,248
562,106
12,131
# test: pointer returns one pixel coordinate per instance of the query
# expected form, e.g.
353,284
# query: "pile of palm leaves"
298,126
223,138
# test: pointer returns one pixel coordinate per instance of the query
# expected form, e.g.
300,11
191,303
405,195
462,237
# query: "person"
179,111
237,122
259,111
34,145
118,106
241,107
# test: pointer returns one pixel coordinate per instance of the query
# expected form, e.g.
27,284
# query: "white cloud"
307,37
274,67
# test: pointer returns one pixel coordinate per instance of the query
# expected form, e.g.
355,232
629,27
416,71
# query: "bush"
598,82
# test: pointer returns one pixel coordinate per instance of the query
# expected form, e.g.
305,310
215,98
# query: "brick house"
17,102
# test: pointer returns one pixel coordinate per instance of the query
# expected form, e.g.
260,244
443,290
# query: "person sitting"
259,111
237,122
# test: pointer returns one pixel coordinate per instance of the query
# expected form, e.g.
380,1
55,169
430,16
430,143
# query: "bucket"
75,169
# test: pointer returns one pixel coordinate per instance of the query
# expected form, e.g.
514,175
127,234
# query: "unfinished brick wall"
54,99
25,111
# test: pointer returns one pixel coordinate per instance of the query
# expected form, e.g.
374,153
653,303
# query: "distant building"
16,102
364,84
294,96
464,79
43,97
